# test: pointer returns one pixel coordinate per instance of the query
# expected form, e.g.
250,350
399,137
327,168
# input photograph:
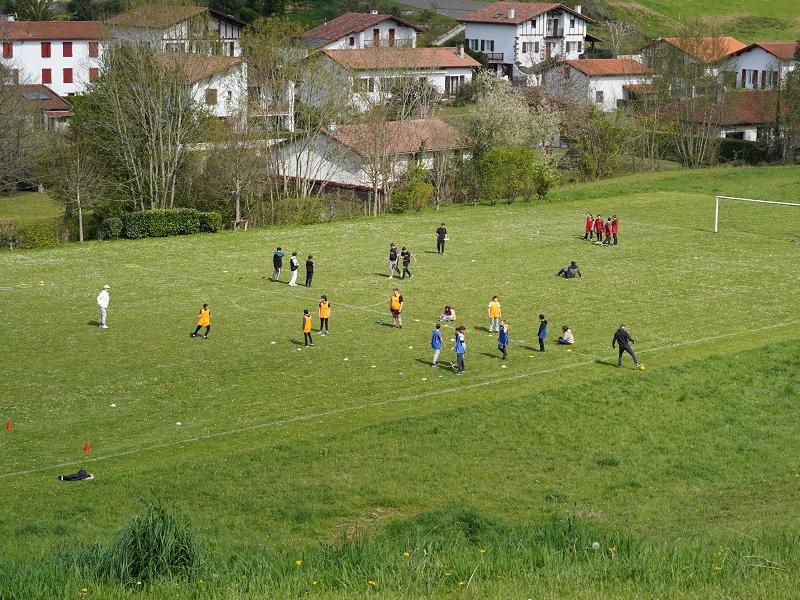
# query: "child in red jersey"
598,229
607,232
614,228
587,234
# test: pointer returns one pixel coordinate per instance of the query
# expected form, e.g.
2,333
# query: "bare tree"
21,133
786,131
619,36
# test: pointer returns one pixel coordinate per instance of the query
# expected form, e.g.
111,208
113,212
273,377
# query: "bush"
8,233
210,222
111,228
172,221
414,191
37,233
134,225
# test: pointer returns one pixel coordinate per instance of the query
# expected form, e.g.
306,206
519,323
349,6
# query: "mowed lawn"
279,446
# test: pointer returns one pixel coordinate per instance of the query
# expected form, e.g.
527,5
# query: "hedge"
111,228
169,221
30,233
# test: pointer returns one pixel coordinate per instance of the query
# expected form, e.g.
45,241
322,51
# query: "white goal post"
734,199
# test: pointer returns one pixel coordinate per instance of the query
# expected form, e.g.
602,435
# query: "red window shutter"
8,50
67,75
47,76
94,73
93,50
45,49
66,48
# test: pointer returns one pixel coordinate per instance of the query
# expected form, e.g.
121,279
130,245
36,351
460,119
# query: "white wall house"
353,31
761,66
174,28
521,34
63,55
599,81
713,52
370,72
343,157
54,109
218,83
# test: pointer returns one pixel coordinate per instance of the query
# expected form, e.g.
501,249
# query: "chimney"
374,11
578,8
460,51
510,13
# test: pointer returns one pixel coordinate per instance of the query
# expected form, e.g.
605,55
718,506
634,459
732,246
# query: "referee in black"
441,237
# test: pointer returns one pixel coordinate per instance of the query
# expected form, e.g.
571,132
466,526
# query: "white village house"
217,83
599,81
54,109
713,52
345,156
354,31
370,71
175,28
760,66
63,55
521,34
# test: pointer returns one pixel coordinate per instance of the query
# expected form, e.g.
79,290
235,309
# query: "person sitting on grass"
570,272
448,314
566,339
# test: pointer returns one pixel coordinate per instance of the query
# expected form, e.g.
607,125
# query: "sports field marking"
368,405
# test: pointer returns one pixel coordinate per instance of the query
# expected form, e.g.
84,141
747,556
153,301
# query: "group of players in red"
606,232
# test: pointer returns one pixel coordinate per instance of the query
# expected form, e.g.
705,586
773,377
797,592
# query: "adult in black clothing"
624,340
309,270
393,261
406,256
542,334
277,263
441,238
571,271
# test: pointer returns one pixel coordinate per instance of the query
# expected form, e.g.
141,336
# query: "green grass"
29,205
281,447
767,20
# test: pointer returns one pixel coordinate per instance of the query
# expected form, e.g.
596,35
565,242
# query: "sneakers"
205,337
434,365
192,335
103,326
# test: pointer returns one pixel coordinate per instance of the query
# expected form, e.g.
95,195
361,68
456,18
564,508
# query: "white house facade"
63,55
174,28
370,72
521,34
599,81
761,66
354,31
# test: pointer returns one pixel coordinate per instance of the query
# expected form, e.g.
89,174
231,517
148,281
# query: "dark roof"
196,67
782,50
51,30
45,98
345,25
370,59
161,16
706,49
399,137
523,11
608,67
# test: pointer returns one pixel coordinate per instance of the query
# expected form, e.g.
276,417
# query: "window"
94,73
391,37
524,47
452,83
231,48
211,96
763,80
230,96
580,46
536,47
94,50
570,47
45,49
351,41
483,45
744,78
8,50
66,49
572,23
47,76
363,84
491,45
67,75
598,97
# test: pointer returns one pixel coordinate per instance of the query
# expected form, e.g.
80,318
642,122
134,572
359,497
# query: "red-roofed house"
523,34
371,69
55,110
63,55
353,31
600,81
759,66
711,52
343,156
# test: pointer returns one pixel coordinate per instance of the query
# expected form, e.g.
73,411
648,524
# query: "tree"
619,36
21,133
510,173
35,10
601,140
140,119
786,131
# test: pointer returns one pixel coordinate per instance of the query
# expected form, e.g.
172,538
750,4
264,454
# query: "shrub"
135,225
414,191
111,228
8,233
37,233
210,222
172,221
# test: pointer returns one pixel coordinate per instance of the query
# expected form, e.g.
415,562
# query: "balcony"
389,43
554,32
493,57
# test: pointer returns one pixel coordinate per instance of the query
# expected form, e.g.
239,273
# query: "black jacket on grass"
621,337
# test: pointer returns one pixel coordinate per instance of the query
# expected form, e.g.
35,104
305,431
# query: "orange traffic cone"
86,447
9,426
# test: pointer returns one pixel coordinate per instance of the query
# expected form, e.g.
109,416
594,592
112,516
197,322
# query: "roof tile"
523,11
51,30
608,67
399,137
370,59
345,25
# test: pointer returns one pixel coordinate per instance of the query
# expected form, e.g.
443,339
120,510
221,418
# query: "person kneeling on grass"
448,314
566,339
570,272
203,320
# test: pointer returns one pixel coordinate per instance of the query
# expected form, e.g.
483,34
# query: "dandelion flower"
372,583
406,554
138,583
461,583
298,562
483,551
84,590
315,582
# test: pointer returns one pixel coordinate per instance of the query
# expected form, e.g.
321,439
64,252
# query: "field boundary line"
375,404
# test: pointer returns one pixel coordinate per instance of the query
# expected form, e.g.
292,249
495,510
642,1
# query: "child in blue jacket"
542,332
502,339
436,344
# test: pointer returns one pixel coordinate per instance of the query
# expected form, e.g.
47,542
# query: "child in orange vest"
203,320
307,341
324,315
494,313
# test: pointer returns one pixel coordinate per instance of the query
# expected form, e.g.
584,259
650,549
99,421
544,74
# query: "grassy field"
280,447
29,205
768,20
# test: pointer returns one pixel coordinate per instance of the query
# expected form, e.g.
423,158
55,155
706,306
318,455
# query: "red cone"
86,447
9,426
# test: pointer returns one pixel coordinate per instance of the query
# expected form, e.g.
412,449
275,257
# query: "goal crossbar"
735,199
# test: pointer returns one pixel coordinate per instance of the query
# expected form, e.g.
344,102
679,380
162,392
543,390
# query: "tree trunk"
80,217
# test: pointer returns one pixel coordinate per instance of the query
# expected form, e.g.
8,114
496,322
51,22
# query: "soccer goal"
753,201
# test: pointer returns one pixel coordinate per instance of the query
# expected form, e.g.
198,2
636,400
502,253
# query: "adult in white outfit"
293,265
102,303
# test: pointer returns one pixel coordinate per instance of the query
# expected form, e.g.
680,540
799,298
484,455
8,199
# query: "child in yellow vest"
494,314
324,315
396,308
203,320
307,341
